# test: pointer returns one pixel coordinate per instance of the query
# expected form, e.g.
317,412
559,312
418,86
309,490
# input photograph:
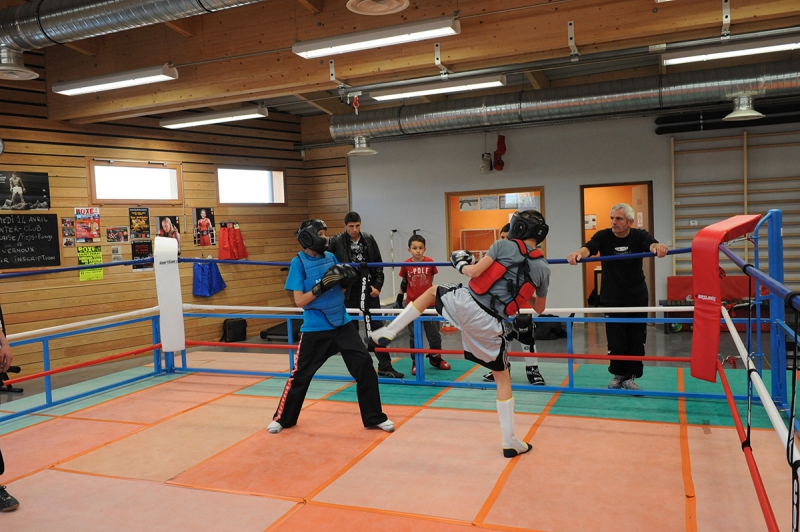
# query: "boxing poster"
87,224
116,234
24,190
90,255
140,222
142,249
203,222
169,227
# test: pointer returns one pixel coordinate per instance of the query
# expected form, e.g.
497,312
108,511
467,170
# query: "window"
248,185
126,182
474,218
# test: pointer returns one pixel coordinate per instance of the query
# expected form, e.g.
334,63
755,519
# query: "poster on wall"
68,227
489,203
116,234
90,255
142,249
116,253
24,190
87,224
169,226
140,222
203,221
508,201
468,203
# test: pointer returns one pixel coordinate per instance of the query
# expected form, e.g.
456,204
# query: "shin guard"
511,445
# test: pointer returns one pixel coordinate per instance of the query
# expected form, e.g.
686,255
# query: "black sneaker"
7,502
534,377
489,377
390,373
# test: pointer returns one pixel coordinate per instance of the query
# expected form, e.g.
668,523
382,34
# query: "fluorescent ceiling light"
141,76
439,87
734,50
216,117
364,40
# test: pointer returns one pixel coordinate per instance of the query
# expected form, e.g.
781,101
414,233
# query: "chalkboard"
29,240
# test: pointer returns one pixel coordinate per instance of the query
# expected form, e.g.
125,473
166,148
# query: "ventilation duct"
43,23
596,99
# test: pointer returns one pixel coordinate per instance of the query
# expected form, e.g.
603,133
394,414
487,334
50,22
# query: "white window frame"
272,190
97,189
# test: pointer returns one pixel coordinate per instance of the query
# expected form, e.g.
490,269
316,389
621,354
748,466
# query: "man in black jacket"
352,245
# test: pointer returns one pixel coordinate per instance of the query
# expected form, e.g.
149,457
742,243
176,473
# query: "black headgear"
308,237
528,224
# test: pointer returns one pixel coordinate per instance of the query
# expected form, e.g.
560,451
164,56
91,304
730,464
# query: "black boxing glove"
336,275
349,275
461,258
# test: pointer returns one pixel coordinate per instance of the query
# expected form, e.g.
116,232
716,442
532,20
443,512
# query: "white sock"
396,326
530,361
511,445
274,427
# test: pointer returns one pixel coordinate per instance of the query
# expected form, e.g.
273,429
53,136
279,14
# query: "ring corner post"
170,300
777,306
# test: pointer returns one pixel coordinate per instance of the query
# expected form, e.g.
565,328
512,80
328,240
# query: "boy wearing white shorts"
513,272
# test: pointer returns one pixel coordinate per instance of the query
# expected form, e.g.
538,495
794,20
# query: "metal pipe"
595,99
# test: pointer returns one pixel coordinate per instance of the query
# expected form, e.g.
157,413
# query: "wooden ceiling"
244,54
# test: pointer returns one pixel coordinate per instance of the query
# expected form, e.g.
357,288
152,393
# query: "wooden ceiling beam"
239,60
323,101
87,47
315,6
188,27
538,79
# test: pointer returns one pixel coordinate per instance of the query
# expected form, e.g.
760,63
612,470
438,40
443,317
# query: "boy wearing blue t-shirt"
318,283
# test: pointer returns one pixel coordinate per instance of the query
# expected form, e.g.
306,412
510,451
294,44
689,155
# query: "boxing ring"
169,346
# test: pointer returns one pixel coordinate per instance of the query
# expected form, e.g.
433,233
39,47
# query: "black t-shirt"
623,280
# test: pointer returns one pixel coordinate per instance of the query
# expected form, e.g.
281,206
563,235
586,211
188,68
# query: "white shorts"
482,335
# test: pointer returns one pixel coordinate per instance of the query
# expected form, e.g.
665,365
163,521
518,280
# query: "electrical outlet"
692,222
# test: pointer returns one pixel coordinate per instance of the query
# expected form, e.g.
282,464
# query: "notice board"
29,240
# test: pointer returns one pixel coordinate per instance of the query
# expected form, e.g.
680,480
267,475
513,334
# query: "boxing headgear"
308,237
528,224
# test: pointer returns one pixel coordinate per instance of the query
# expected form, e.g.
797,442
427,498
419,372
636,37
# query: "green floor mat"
75,389
620,407
273,387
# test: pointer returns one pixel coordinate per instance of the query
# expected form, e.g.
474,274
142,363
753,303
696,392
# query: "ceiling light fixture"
390,35
439,87
362,147
733,50
743,109
131,78
216,117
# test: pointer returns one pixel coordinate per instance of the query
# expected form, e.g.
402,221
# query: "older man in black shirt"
623,286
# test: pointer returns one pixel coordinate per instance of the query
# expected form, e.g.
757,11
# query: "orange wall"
598,201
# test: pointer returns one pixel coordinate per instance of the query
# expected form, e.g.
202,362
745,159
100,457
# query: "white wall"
404,186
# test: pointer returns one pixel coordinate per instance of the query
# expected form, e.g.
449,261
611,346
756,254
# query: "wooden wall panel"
36,144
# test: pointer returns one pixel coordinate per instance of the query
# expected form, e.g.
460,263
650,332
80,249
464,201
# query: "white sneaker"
630,384
387,425
616,382
274,427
